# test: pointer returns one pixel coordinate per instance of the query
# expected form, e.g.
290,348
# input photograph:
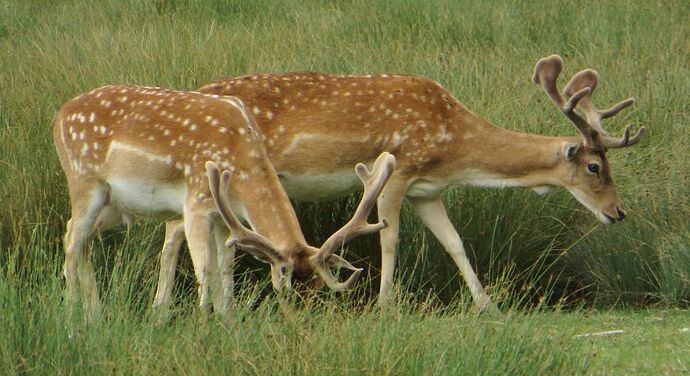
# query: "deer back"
313,121
163,138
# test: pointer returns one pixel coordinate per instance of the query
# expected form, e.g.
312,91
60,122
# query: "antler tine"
590,78
626,140
330,280
228,216
246,239
617,108
374,182
546,72
587,78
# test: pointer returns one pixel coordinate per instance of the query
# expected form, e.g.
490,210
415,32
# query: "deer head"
590,176
300,262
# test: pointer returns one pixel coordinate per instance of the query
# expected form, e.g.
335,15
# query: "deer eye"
593,168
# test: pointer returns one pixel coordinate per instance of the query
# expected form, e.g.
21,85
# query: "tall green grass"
315,335
530,250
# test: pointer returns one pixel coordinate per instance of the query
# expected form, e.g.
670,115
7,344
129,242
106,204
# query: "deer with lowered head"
314,126
148,152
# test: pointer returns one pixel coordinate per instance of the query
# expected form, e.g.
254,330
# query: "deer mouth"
607,219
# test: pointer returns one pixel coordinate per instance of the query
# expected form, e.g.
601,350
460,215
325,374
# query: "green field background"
543,259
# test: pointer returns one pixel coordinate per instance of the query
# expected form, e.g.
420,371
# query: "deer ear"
570,151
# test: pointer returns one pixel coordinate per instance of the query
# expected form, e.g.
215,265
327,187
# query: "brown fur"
139,151
315,123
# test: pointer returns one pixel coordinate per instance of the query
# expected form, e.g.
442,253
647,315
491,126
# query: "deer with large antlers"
139,151
315,126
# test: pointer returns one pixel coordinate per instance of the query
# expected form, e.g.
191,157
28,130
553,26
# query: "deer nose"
621,214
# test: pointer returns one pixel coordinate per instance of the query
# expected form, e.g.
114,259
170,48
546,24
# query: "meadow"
553,269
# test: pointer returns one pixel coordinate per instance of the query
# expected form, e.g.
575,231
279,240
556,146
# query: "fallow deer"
141,151
315,126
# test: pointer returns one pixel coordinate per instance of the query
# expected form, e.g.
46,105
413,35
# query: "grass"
313,335
652,342
553,269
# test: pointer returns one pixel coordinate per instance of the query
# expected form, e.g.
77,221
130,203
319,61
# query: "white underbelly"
315,187
147,199
139,181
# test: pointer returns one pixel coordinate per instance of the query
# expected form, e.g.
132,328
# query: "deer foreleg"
389,204
78,266
226,265
198,228
174,236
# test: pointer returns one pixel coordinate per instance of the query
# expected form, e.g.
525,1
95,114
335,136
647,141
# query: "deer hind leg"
87,202
174,236
198,228
433,213
389,204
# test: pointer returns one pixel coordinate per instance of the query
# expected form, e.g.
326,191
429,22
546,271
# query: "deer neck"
268,209
489,156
